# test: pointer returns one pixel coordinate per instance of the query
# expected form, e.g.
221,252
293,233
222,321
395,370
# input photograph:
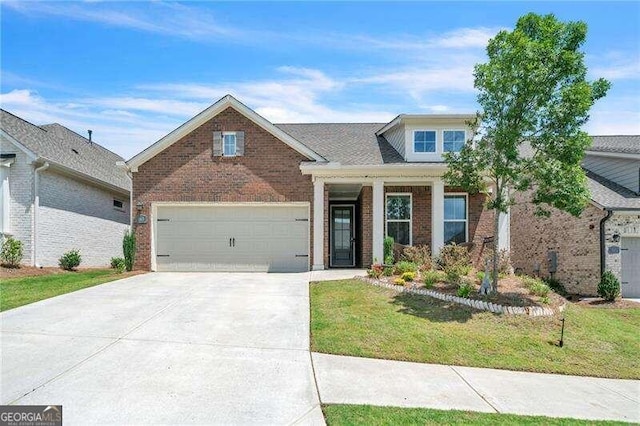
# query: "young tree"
534,98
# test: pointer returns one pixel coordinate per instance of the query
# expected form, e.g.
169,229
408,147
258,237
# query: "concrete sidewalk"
351,380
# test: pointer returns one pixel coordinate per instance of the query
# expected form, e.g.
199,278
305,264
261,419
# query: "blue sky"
134,71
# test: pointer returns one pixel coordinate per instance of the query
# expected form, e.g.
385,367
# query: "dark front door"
342,236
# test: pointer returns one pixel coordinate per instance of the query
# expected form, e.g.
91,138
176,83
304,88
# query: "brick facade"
576,240
187,171
365,200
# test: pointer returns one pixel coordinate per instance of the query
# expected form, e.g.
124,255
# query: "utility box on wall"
552,261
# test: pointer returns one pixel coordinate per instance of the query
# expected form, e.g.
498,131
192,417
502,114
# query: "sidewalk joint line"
474,389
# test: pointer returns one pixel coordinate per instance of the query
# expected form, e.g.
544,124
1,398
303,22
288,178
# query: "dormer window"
424,141
453,140
229,145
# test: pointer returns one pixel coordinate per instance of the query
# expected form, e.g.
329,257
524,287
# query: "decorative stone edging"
534,311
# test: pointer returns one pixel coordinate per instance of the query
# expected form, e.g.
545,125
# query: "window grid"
408,220
464,220
425,141
453,140
229,144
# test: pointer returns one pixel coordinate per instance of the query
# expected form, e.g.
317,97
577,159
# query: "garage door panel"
267,238
630,264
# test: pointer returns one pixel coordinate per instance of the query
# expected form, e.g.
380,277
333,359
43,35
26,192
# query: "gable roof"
346,143
64,147
206,115
610,195
621,144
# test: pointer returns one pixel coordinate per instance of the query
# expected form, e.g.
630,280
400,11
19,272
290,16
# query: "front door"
342,236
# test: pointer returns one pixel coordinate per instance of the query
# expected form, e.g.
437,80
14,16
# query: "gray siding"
77,215
395,137
622,171
21,197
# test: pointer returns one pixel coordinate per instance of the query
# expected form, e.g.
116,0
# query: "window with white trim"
424,141
398,218
453,140
229,144
455,218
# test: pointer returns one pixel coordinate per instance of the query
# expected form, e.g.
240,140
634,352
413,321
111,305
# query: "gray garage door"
630,267
232,238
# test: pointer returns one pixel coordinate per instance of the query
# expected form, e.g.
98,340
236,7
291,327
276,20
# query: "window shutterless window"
118,204
455,218
229,144
398,218
453,140
424,141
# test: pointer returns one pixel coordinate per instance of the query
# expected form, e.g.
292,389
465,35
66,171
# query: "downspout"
602,245
36,210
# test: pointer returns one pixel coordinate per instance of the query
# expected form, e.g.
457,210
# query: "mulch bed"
31,271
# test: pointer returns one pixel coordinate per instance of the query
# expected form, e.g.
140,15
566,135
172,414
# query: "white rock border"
532,311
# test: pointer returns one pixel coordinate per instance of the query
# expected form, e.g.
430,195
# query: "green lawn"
16,292
339,415
353,318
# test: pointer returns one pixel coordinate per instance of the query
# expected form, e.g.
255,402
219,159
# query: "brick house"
60,191
606,236
230,191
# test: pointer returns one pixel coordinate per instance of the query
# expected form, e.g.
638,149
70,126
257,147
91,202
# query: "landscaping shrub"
408,276
11,253
388,251
464,289
540,289
399,281
70,260
404,266
129,249
453,255
556,286
420,255
118,264
609,286
387,271
431,278
375,271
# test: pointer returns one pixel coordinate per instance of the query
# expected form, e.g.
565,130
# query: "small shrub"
464,289
118,264
129,249
375,271
455,261
408,276
387,271
388,250
545,300
11,253
539,289
609,286
432,277
420,255
404,266
399,281
528,281
556,286
70,260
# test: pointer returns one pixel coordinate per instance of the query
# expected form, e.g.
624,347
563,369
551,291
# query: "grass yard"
339,415
16,292
353,318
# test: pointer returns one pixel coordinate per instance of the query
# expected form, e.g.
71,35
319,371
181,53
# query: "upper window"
455,219
453,140
229,144
399,218
118,204
424,141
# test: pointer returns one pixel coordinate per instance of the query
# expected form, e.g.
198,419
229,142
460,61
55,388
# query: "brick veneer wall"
365,200
576,240
187,171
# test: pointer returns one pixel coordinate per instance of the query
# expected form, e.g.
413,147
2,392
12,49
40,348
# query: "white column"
318,225
5,223
505,235
437,217
378,221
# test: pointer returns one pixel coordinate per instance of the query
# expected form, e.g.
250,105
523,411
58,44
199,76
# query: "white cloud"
617,69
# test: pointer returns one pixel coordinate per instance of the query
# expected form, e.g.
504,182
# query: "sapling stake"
561,343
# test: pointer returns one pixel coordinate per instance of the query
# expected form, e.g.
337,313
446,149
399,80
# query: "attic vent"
72,149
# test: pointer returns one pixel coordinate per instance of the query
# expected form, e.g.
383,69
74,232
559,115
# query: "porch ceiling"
344,191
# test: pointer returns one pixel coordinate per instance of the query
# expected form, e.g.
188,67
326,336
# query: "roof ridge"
22,119
350,122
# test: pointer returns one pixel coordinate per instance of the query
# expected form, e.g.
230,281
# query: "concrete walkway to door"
172,348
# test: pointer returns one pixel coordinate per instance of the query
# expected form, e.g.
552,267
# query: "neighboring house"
606,236
60,191
230,191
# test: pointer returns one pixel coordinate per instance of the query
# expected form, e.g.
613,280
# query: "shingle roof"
627,144
62,146
609,194
346,143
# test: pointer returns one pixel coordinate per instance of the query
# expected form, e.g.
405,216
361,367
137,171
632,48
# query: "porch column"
318,224
437,217
378,221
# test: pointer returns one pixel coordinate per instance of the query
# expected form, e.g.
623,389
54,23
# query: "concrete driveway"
167,348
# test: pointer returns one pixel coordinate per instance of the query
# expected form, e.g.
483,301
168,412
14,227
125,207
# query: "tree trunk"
496,241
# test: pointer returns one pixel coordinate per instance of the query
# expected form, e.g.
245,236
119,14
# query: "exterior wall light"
615,237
